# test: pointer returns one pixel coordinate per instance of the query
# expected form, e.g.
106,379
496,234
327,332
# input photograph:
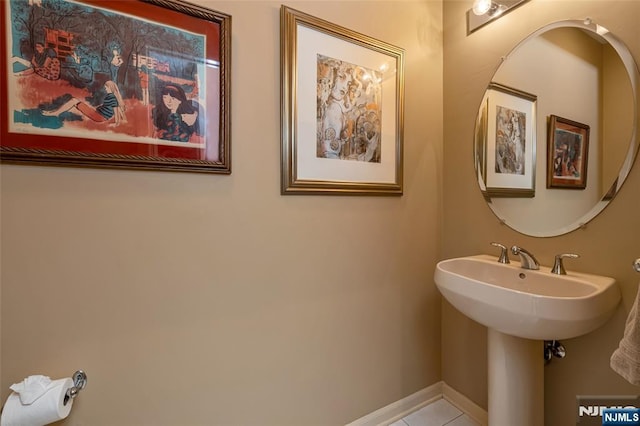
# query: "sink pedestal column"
516,380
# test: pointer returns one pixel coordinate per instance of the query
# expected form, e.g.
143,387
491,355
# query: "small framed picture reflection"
567,153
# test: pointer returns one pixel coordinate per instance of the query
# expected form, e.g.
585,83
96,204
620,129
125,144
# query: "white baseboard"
465,405
399,409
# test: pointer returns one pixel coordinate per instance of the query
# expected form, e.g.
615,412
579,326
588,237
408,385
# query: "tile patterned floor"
438,413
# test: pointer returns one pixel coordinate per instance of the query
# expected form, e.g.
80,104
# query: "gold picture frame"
509,152
342,109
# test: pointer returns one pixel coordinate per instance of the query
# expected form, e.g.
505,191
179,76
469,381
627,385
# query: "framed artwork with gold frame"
509,155
342,96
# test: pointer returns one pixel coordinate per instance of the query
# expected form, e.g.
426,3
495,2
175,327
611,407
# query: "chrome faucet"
558,266
527,260
504,255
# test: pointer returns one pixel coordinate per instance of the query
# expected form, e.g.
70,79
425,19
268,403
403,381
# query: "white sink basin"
524,303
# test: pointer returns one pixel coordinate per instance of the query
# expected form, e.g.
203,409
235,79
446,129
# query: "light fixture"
480,7
485,11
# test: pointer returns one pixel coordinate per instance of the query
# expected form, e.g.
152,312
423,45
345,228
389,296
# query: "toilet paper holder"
79,383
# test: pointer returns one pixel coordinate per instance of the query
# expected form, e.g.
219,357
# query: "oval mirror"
556,133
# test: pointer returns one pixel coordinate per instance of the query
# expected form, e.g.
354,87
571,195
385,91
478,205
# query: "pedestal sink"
521,308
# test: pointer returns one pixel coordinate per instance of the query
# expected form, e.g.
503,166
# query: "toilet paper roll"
47,409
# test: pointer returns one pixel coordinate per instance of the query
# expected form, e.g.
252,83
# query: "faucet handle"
504,254
558,265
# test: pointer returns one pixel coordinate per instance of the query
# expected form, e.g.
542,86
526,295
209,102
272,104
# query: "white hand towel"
31,388
626,359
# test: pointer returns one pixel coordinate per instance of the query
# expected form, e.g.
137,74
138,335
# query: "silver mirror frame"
632,152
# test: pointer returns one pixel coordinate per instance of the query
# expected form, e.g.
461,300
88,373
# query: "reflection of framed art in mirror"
510,150
567,153
610,110
480,145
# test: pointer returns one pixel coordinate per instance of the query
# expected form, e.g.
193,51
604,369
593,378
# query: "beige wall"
607,245
198,299
195,299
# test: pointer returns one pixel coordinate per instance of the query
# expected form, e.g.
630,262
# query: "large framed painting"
342,109
118,84
510,143
567,153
